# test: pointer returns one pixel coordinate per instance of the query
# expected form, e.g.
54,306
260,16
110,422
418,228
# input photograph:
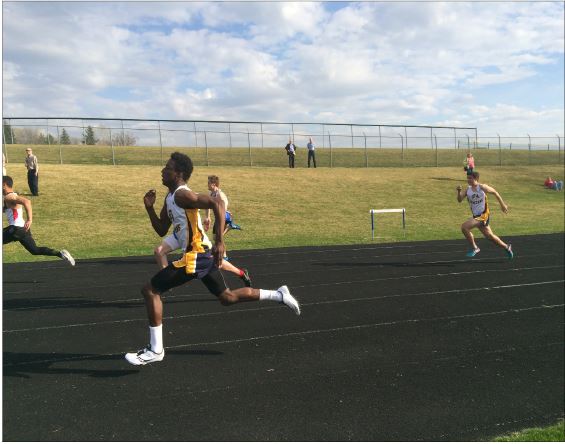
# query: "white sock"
270,295
156,338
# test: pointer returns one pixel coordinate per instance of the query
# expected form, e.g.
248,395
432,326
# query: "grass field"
554,433
272,157
97,210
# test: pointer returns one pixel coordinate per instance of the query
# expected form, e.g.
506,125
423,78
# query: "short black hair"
475,174
8,181
183,164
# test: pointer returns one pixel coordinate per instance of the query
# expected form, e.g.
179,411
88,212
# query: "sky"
497,66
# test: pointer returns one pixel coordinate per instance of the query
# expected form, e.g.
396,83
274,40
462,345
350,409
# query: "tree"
124,139
48,139
9,136
64,138
89,138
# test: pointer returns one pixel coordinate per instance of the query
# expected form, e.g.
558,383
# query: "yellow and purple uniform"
478,202
197,261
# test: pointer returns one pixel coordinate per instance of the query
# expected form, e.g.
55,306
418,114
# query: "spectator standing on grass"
311,152
200,261
291,152
476,195
469,164
172,214
19,229
32,172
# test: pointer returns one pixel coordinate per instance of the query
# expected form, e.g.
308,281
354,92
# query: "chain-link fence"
213,143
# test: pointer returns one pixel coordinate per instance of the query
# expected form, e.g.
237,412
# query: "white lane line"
171,297
296,272
278,307
315,332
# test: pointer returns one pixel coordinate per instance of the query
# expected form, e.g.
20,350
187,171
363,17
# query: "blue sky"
498,66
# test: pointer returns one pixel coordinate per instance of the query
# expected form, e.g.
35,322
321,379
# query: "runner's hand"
149,198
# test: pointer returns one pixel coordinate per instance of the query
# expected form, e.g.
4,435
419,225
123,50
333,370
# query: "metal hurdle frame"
391,210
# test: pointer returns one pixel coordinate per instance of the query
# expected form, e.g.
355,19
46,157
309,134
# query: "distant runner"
476,194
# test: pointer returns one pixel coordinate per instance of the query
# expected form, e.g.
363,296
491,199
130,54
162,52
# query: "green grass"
273,157
553,433
97,210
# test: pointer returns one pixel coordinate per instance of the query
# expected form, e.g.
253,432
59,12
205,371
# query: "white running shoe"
289,300
144,356
67,256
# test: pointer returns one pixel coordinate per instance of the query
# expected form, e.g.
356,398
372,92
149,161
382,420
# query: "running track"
402,342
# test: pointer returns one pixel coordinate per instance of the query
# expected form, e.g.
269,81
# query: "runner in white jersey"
19,229
172,214
199,261
177,239
476,195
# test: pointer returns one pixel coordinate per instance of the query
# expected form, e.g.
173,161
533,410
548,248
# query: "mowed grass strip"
553,433
97,210
276,156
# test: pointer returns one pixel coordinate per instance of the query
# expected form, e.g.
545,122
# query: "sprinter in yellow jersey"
200,260
476,195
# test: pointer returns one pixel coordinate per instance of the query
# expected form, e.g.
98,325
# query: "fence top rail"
237,122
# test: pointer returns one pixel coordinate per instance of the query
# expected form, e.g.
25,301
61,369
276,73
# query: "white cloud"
413,63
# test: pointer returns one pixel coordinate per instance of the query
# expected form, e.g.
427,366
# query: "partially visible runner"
19,229
476,195
215,191
171,213
200,261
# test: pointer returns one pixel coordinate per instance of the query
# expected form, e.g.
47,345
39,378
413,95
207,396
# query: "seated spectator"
548,182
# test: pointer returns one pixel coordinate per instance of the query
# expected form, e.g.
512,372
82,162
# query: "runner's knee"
227,297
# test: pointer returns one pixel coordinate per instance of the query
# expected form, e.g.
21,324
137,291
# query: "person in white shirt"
19,229
476,195
311,152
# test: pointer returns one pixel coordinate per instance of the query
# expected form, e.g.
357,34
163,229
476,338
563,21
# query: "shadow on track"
22,365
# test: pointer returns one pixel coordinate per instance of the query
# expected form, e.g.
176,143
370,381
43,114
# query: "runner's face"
168,173
472,181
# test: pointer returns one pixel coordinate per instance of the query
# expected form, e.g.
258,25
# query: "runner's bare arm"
491,190
161,223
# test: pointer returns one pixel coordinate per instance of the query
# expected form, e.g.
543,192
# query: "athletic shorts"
191,266
173,242
484,218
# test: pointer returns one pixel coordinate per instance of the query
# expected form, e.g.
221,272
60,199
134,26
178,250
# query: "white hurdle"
393,210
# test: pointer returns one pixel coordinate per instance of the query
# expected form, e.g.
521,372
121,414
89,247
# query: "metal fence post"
123,134
402,152
380,138
113,151
11,131
455,142
229,133
529,150
262,146
60,150
331,153
437,163
4,148
249,145
206,143
47,136
195,135
559,147
351,130
405,135
160,140
366,153
499,151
